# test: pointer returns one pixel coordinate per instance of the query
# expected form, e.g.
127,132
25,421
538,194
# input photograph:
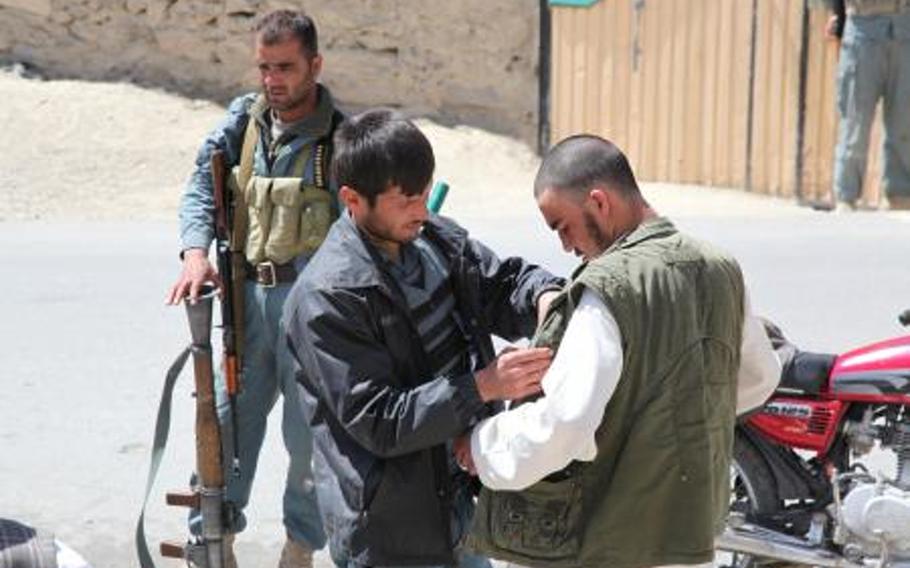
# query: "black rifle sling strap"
239,233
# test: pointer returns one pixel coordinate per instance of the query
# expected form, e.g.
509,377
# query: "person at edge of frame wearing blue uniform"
874,64
277,143
390,326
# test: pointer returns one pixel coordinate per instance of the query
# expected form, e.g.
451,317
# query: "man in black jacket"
390,325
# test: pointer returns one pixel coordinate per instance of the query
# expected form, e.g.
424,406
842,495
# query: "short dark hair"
379,148
280,25
583,161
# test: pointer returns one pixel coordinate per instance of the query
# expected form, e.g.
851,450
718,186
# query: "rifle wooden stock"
208,431
231,374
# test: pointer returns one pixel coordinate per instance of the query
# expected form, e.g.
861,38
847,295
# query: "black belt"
269,274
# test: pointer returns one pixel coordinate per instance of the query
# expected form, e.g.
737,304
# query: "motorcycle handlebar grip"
904,318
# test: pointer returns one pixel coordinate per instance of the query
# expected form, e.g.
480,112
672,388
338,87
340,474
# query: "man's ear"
602,200
351,199
316,64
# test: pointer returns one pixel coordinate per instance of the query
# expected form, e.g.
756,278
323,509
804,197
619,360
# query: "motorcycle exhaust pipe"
758,541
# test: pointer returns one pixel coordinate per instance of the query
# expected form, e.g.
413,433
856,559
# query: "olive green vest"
658,490
280,218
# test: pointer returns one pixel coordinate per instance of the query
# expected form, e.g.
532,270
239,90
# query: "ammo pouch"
537,525
286,218
278,219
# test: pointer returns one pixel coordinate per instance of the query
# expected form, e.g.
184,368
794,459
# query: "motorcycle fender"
792,479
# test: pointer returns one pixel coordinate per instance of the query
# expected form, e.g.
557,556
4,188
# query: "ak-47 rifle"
205,550
231,268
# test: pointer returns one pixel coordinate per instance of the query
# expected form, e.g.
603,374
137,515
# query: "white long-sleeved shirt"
517,448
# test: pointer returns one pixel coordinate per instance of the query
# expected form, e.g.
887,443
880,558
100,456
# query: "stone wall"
469,61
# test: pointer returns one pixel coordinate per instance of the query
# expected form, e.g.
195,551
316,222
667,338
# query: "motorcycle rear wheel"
753,491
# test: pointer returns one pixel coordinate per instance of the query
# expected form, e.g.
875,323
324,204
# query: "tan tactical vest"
279,218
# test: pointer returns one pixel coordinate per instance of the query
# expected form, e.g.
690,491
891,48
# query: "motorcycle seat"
806,372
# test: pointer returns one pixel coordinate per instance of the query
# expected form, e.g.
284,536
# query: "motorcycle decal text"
790,410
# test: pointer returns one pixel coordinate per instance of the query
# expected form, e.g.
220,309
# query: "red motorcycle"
801,493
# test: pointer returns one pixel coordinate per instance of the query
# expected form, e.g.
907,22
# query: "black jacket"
380,420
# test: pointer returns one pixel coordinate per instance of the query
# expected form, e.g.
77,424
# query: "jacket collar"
356,262
317,125
653,228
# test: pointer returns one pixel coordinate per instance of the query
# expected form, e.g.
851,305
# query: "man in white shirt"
644,292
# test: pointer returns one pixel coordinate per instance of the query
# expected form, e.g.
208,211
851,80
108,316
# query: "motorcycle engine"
877,514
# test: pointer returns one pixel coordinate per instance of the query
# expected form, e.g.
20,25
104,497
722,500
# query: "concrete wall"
470,61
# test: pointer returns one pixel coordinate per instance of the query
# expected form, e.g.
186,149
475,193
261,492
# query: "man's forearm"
759,369
517,448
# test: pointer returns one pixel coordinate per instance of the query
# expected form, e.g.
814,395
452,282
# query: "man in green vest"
624,461
278,144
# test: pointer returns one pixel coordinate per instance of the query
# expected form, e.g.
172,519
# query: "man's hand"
514,375
543,304
462,449
197,270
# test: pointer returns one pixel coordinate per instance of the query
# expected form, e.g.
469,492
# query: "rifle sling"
238,236
162,427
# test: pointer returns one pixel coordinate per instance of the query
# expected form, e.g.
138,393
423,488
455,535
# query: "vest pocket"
315,218
287,199
542,521
259,205
301,217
